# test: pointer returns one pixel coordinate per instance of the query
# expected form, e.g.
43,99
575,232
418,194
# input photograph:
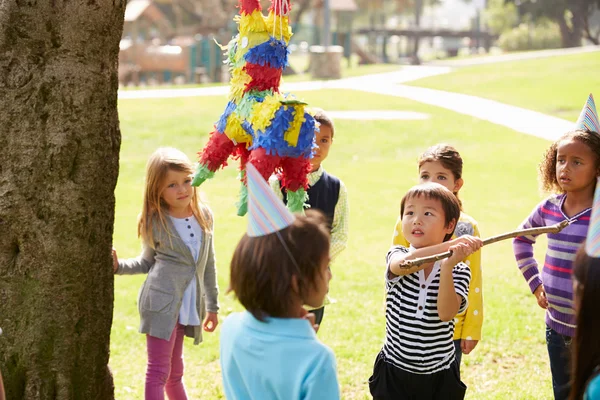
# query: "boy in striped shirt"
418,358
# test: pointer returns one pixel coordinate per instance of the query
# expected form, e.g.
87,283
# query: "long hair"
262,269
154,208
547,168
585,350
446,155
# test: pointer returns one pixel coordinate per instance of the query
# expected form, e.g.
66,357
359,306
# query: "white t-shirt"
190,231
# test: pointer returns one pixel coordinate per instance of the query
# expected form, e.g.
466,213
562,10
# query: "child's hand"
467,346
211,321
115,260
540,295
461,248
310,317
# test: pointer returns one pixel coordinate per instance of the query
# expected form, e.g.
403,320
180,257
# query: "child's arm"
322,383
339,226
138,265
523,249
395,257
449,301
473,319
211,286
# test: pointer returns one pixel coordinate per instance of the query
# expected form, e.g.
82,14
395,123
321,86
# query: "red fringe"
263,78
217,151
264,163
295,173
286,8
248,6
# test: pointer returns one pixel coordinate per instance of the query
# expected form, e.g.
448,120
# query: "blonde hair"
154,208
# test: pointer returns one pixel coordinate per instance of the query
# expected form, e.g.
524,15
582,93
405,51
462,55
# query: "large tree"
572,17
59,150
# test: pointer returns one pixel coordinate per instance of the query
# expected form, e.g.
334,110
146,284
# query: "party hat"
592,244
266,213
588,119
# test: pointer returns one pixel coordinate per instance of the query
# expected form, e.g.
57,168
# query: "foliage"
501,17
543,35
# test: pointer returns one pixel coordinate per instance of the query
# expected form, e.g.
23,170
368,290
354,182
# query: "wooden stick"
406,264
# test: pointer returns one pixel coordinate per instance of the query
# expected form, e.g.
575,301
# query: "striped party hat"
266,213
592,244
588,119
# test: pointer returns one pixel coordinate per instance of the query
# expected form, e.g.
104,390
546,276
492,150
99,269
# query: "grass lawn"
556,86
377,162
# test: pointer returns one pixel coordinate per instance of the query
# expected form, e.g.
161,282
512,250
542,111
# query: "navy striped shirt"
416,339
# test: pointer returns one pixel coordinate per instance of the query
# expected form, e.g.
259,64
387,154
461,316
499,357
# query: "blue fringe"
273,53
222,122
272,139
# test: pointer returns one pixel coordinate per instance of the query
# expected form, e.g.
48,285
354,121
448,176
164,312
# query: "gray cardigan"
170,268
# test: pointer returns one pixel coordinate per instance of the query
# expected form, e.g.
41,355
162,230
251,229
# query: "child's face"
424,222
576,169
324,139
177,192
434,171
316,296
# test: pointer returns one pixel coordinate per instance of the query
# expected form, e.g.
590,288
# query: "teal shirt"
280,359
592,391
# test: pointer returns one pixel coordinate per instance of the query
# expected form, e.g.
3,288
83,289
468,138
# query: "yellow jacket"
467,324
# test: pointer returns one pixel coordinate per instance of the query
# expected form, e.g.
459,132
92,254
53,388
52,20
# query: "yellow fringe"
282,28
263,113
291,135
234,130
254,22
239,79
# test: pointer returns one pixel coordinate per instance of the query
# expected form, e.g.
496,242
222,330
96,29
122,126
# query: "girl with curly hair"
569,169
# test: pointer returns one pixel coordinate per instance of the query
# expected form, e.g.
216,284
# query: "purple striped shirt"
556,273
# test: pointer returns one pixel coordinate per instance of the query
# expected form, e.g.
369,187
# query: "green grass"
557,86
377,162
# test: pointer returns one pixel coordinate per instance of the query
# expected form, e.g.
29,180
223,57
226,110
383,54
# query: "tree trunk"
417,39
571,33
59,159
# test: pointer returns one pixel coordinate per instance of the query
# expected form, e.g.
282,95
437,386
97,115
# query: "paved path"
519,119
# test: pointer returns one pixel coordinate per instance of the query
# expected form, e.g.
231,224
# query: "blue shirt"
592,391
280,359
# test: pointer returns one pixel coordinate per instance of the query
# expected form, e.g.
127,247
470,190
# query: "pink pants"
165,366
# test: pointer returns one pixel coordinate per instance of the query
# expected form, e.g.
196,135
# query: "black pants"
318,314
391,383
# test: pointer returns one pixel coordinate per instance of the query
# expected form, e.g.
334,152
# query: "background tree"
59,158
572,17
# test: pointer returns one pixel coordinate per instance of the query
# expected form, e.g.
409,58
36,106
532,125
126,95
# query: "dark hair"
547,167
585,351
322,118
262,270
446,155
435,191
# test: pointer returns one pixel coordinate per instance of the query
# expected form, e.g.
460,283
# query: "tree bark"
59,150
572,33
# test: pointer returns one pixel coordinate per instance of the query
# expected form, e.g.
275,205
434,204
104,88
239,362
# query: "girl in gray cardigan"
178,255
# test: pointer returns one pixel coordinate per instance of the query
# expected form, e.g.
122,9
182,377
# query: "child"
570,167
443,164
326,192
418,358
586,290
271,351
178,256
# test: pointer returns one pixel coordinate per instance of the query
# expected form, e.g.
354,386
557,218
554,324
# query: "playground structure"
197,61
